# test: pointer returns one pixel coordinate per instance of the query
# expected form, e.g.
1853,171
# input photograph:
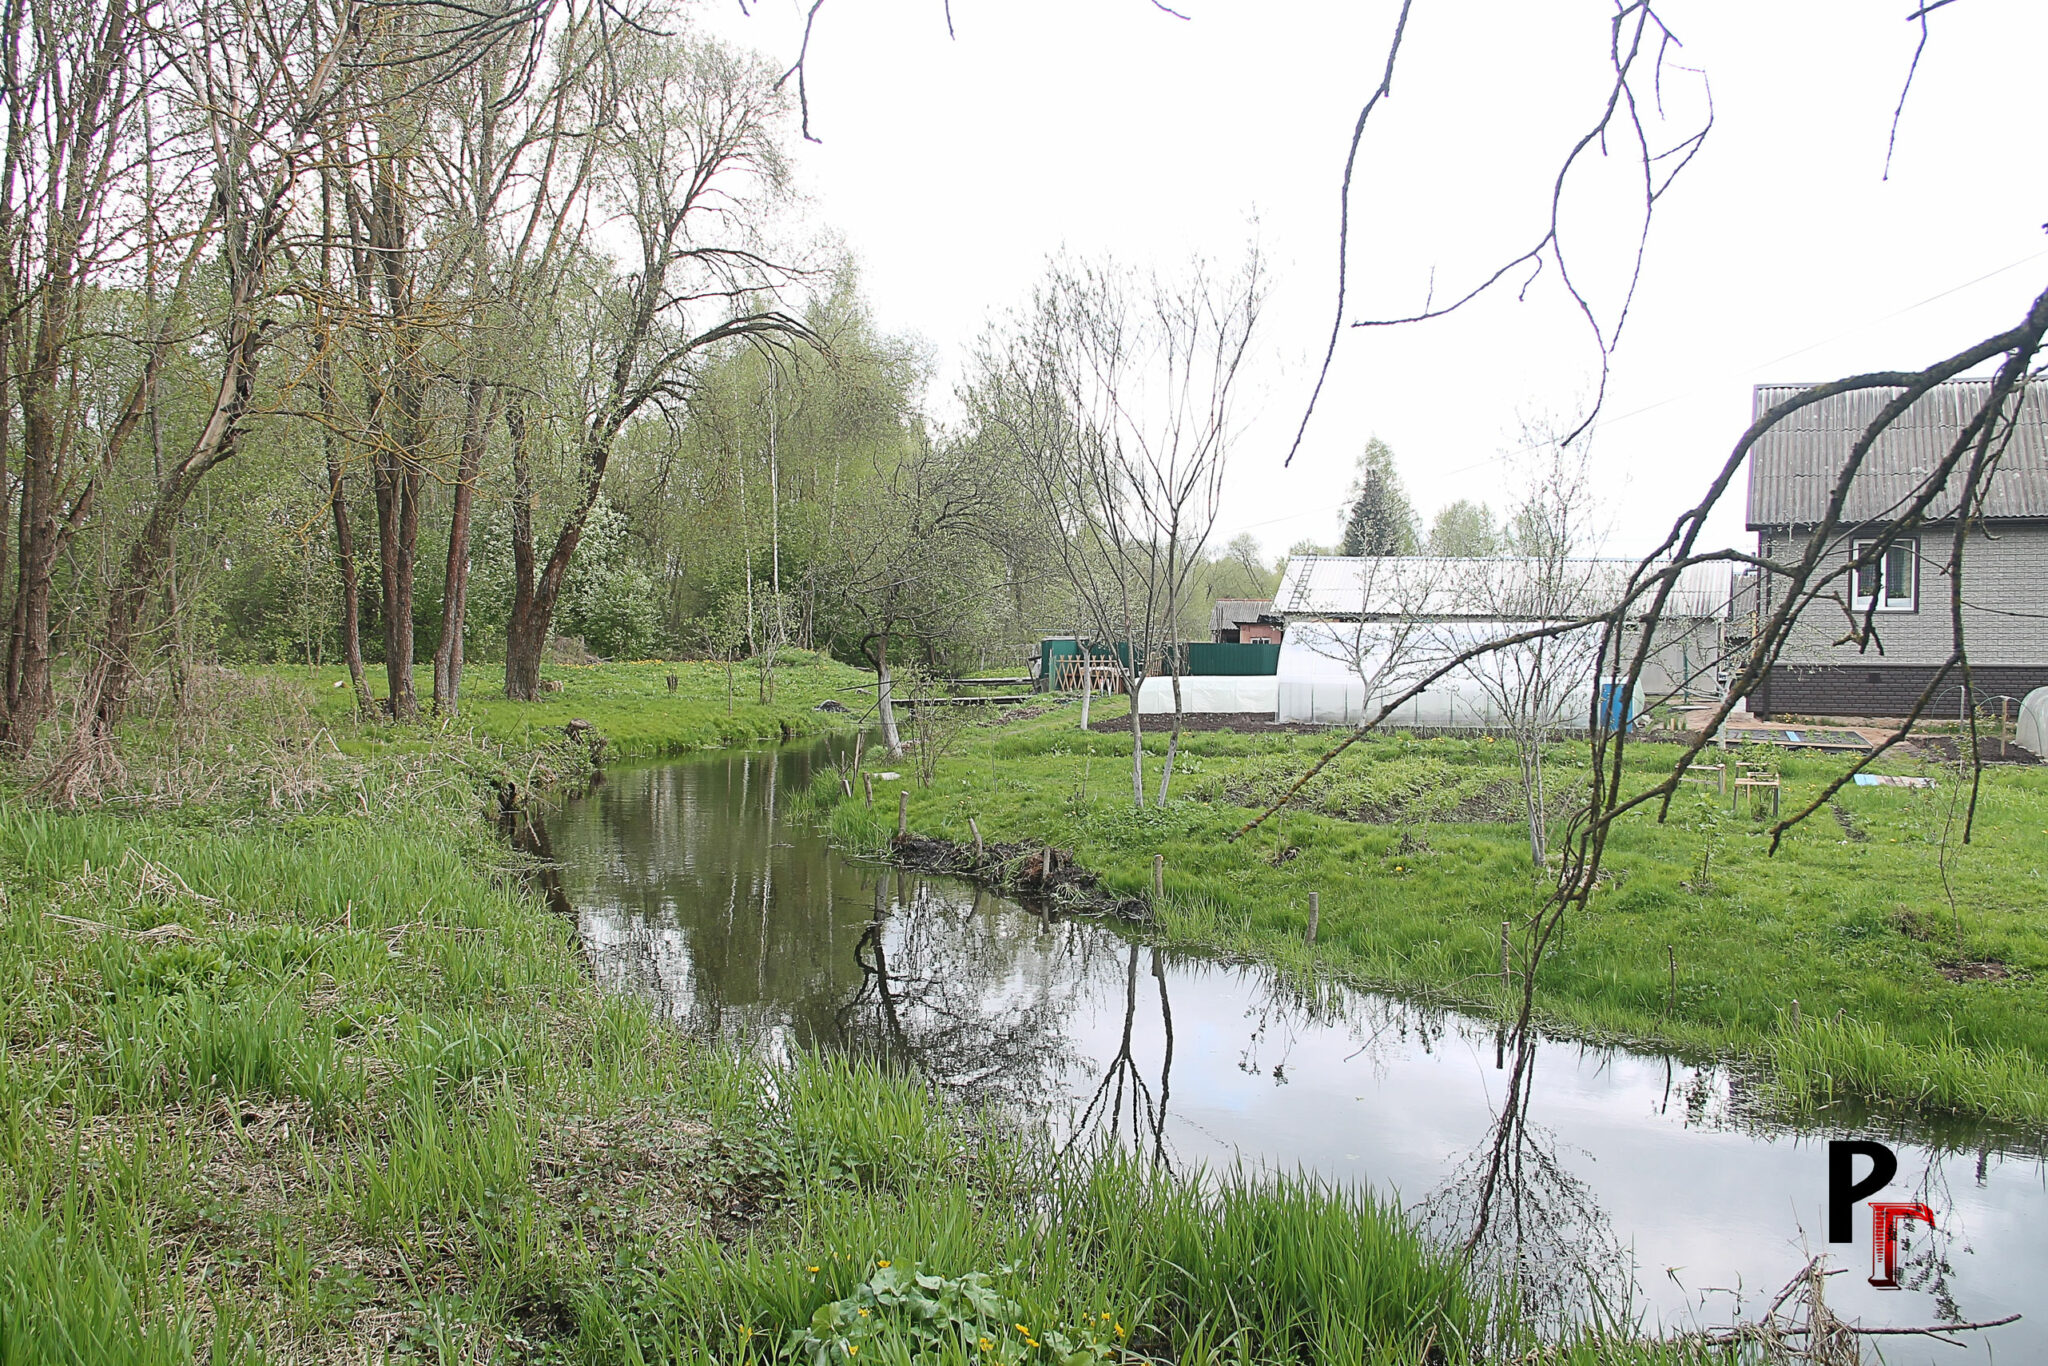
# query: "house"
1243,621
1360,628
1792,472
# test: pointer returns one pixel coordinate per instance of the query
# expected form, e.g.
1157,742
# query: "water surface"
1576,1164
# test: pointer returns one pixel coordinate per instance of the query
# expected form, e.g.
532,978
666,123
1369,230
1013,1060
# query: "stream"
1629,1177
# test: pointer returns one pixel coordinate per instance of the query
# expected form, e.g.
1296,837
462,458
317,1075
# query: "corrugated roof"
1793,467
1504,588
1228,612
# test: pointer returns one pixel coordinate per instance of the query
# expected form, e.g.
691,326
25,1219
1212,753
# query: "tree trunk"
455,595
29,696
534,598
522,646
1173,741
397,480
345,563
1532,801
885,703
1136,679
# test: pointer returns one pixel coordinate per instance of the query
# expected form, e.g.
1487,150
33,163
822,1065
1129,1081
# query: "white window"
1890,581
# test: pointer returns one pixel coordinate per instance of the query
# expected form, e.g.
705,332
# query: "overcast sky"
952,167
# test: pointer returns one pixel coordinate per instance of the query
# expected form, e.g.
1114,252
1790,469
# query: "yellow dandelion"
863,1313
1022,1329
881,1263
1119,1330
1031,1342
986,1345
814,1271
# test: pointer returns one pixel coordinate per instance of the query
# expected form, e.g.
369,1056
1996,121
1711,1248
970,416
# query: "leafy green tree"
1379,519
1466,529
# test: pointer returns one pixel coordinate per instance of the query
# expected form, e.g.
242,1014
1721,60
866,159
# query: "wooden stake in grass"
1506,979
902,811
1158,879
867,782
1315,915
1795,1014
977,838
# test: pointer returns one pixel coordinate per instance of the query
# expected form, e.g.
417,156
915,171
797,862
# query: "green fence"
1256,660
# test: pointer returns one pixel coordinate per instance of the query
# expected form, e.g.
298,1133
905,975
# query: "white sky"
952,168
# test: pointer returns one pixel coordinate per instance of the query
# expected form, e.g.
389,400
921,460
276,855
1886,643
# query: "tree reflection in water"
1103,1116
1521,1218
969,1013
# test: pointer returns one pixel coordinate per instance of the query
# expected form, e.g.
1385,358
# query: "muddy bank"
1044,877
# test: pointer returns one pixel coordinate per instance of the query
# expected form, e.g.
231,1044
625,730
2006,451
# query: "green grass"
303,1072
1417,856
629,704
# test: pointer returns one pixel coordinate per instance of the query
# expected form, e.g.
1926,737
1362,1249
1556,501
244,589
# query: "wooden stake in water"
977,838
1505,978
867,782
902,811
1315,915
1158,878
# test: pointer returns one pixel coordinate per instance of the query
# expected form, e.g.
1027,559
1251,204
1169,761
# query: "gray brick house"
2005,568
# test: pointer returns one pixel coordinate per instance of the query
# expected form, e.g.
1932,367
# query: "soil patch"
1975,970
1040,874
1950,748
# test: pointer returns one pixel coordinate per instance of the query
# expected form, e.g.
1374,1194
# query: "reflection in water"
1615,1173
1518,1212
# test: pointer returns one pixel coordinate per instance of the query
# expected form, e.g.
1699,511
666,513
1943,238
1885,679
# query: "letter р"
1844,1191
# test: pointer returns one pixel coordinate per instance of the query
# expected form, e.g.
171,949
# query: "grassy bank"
302,1073
629,704
1917,962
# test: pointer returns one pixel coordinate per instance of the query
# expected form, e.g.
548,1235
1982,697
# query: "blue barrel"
1617,704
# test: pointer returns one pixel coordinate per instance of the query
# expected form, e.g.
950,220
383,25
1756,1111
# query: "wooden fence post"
1506,978
902,811
1315,915
1158,878
867,783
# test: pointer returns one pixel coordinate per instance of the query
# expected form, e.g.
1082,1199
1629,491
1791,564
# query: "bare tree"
249,88
77,210
1540,684
689,163
1116,392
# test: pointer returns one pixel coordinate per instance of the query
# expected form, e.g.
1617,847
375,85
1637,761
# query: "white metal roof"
1442,588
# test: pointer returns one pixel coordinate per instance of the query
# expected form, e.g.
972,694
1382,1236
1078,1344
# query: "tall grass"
1823,1062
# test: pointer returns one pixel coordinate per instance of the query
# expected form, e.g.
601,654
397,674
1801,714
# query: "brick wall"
1884,689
